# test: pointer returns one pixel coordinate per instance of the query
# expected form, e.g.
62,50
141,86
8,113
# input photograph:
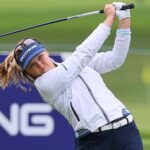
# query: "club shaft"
51,22
129,6
84,15
32,27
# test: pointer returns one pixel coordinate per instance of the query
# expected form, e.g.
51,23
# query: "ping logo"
31,119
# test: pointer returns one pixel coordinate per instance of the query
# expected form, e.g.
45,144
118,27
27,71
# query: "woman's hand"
110,14
110,11
123,16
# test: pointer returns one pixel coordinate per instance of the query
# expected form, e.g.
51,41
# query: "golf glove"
121,14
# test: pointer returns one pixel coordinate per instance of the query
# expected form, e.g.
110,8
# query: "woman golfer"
75,87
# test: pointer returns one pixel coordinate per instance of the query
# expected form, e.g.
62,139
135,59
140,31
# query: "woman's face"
39,65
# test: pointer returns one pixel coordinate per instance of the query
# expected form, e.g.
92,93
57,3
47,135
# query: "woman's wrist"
124,23
109,20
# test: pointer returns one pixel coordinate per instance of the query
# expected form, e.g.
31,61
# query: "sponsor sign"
28,123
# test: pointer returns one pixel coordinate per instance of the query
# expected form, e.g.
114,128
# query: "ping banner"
28,123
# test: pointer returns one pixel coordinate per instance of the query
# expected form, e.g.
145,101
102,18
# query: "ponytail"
11,73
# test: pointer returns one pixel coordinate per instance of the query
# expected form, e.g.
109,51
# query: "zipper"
74,111
100,107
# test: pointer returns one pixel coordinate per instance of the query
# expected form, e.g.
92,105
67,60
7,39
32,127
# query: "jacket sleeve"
111,60
53,82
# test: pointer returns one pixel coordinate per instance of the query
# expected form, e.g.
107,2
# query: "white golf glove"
121,14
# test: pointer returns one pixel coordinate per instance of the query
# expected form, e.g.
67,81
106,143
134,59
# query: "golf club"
128,6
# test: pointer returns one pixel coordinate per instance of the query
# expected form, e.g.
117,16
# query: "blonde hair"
11,72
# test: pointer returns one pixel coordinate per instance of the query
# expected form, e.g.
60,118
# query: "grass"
15,15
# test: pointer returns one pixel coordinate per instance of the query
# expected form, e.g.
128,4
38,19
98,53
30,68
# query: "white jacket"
75,88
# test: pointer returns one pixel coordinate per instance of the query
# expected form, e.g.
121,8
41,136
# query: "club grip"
128,6
124,7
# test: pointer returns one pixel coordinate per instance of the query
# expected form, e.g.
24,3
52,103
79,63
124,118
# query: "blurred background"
131,83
